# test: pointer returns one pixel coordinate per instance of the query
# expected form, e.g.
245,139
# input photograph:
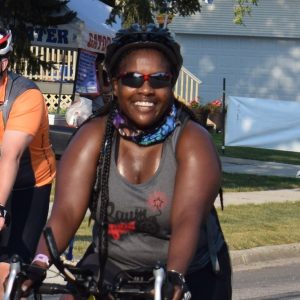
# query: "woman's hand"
36,273
2,223
4,217
175,287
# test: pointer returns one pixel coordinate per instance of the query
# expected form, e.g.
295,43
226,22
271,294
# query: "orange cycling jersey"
29,114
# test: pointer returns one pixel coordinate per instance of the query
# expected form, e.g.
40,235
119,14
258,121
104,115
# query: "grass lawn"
248,226
249,183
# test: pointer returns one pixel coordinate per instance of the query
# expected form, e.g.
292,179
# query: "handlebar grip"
15,268
51,244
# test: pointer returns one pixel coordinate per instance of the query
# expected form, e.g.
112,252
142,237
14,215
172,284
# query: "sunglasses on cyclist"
136,80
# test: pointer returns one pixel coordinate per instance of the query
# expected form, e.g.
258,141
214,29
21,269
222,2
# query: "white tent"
87,31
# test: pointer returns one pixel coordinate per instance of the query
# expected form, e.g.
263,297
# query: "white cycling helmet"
5,42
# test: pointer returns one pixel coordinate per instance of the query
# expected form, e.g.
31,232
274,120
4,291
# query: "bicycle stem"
159,275
15,268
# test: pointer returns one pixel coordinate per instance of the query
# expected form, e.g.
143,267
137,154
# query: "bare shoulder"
87,140
195,138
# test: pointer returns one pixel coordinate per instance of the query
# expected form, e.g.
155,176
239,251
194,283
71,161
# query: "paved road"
257,167
278,280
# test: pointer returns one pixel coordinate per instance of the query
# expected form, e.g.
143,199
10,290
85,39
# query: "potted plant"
216,113
201,111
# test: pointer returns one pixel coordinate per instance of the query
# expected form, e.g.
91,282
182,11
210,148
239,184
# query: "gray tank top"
139,216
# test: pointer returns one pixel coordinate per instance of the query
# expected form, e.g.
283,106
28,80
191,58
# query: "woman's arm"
13,146
74,182
198,180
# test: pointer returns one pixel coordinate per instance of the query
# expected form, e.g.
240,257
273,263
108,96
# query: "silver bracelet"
178,278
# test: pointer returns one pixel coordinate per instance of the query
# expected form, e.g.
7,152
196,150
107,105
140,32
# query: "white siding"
253,66
277,18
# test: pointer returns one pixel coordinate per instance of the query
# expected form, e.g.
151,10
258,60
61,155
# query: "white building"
260,59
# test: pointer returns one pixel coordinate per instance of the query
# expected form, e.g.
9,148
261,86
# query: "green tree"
17,14
143,11
241,9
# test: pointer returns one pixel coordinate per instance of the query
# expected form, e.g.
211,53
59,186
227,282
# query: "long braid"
103,238
100,196
97,185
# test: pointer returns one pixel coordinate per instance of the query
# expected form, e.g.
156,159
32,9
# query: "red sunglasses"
136,80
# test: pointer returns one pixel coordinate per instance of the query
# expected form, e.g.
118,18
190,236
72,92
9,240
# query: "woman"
153,174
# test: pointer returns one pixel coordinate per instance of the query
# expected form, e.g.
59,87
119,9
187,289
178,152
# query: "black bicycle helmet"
5,42
149,36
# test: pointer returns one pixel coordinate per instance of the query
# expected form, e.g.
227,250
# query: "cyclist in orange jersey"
27,162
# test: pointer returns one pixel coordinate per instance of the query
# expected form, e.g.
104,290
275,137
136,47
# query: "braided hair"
101,189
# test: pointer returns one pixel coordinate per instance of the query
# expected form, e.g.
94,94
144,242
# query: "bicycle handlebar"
79,277
158,271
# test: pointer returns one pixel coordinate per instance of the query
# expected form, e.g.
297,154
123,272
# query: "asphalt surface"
244,258
255,167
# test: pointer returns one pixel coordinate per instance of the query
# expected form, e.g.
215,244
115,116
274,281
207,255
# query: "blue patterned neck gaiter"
150,137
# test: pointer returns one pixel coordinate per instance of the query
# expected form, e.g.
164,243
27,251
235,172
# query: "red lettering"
99,42
116,230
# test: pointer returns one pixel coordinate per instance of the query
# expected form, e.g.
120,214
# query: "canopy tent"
87,31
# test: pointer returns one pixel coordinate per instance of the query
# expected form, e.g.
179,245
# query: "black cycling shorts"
29,211
205,284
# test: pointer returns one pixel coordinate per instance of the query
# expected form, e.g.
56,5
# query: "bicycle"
82,283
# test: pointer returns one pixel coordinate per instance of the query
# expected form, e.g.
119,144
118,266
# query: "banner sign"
97,42
52,37
69,37
263,123
87,83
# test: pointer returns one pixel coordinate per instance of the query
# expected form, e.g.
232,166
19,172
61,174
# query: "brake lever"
54,254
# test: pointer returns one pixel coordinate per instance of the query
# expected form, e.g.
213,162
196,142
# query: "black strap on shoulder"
183,116
16,85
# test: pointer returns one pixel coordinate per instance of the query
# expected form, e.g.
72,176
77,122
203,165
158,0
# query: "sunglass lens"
160,80
156,80
134,80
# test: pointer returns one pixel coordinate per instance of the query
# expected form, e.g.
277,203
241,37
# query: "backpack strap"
213,254
16,85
